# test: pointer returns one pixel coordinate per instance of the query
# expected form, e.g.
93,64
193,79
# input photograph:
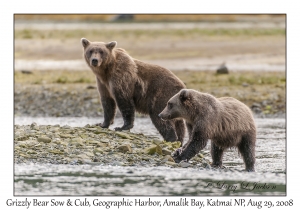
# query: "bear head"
97,53
177,106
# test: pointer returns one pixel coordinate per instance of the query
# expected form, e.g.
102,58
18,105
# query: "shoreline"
61,93
77,143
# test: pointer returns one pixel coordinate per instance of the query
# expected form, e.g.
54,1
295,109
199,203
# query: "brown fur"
226,121
132,85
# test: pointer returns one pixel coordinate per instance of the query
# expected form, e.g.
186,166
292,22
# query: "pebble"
168,158
76,142
157,141
76,145
104,140
166,152
184,164
171,163
44,139
123,135
153,149
125,148
98,150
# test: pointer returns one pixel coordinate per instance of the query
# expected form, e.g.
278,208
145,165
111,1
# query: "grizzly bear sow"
226,121
132,85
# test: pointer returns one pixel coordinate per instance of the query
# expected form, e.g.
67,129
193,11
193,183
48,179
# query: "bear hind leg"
217,155
247,150
180,130
165,128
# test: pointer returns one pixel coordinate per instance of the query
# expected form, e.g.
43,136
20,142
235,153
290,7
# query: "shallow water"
38,179
115,180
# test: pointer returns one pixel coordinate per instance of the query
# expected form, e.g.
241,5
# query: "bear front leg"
127,109
189,129
190,149
108,105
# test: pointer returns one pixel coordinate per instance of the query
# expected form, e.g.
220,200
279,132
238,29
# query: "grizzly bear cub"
132,85
226,121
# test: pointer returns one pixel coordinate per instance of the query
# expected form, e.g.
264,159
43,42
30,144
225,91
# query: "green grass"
192,78
66,34
261,86
55,77
198,78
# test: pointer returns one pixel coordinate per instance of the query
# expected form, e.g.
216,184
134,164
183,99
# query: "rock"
122,17
55,151
104,140
167,158
166,152
171,163
91,129
66,127
158,150
200,155
123,135
66,136
146,158
31,152
89,154
21,138
117,163
83,157
76,141
255,105
245,84
157,141
93,142
176,144
153,149
54,129
208,166
90,87
125,148
44,139
205,164
23,155
265,102
222,69
33,125
184,164
26,72
100,144
97,150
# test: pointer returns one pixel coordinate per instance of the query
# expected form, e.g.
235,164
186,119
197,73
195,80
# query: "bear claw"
177,152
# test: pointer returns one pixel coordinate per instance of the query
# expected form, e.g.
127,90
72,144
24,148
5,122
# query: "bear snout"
94,62
164,117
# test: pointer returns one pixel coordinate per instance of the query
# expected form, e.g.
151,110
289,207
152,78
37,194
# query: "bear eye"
101,52
170,106
91,51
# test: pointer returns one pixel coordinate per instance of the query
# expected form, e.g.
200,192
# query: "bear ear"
111,45
184,95
85,42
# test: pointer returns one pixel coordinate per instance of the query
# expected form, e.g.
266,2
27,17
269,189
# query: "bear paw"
176,155
102,125
124,127
177,152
